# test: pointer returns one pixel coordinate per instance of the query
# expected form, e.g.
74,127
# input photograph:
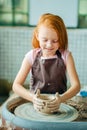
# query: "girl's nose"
49,44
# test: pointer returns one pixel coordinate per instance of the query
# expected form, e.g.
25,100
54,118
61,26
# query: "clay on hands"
54,104
46,103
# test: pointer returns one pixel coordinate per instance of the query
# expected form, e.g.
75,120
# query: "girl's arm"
19,81
74,80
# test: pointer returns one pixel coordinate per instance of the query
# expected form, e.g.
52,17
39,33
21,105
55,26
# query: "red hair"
56,23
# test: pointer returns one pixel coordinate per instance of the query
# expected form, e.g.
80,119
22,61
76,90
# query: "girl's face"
48,40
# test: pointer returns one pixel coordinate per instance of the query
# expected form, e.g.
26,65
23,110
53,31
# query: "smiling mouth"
49,49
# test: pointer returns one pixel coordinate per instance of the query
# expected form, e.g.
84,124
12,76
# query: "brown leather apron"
48,75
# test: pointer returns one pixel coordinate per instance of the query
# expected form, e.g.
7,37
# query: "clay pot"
45,99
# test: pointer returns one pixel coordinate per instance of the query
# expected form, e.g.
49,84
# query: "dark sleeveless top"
48,75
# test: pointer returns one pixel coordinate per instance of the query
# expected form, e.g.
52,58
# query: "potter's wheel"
66,113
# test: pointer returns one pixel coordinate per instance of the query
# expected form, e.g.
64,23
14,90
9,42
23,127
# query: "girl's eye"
44,40
54,41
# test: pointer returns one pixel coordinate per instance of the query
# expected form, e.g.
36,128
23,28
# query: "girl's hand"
54,104
38,104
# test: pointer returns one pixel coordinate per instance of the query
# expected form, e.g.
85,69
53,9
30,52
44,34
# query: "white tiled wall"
78,47
16,41
14,44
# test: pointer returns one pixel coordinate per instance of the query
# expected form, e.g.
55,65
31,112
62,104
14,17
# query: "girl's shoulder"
32,54
65,55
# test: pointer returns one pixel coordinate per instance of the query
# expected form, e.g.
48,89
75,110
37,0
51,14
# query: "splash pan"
20,113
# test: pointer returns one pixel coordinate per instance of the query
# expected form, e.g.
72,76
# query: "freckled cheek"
42,45
57,46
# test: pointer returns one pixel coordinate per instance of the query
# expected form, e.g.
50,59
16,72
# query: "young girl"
48,63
